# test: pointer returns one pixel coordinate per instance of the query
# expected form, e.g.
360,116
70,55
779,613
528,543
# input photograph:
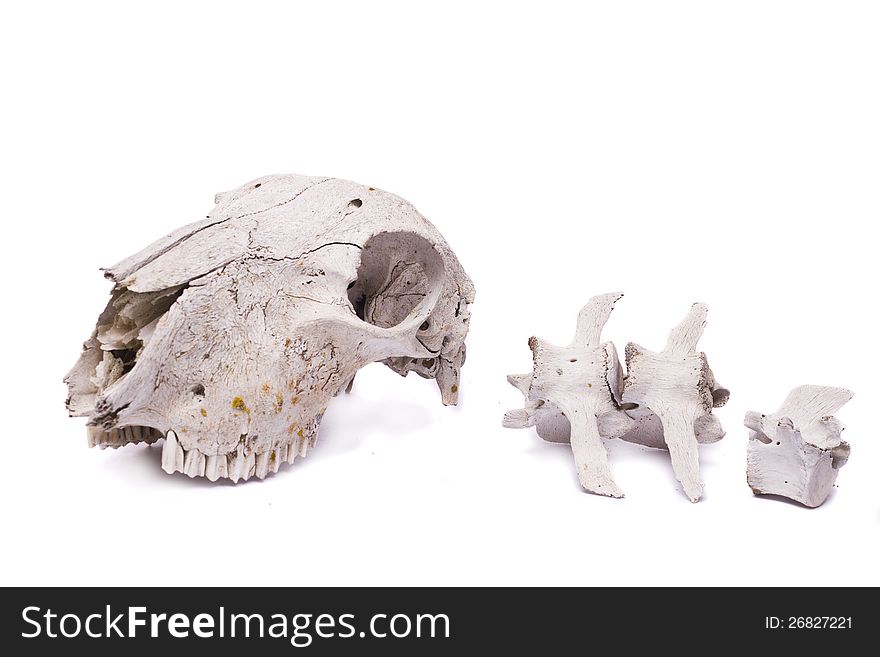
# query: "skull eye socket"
399,274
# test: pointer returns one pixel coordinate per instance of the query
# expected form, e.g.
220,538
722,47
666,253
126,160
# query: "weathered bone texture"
671,395
566,383
229,336
574,392
797,451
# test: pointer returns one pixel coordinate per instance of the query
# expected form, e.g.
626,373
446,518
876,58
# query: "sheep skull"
229,336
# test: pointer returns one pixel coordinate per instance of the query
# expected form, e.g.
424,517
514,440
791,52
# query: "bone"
239,328
676,385
582,382
665,401
797,451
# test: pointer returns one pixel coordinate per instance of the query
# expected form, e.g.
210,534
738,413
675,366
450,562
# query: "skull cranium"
229,336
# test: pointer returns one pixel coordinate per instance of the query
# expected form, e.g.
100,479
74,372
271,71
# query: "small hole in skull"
198,390
573,360
355,203
351,285
425,325
257,185
628,406
428,362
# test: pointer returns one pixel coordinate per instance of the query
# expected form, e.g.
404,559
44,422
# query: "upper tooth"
262,464
215,466
110,438
194,463
235,464
93,434
172,454
249,466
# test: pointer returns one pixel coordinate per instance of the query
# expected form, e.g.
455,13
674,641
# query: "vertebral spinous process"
579,394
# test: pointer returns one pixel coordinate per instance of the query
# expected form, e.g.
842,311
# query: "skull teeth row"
121,436
239,465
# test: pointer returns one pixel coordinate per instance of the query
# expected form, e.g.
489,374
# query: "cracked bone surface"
573,394
671,394
230,335
797,451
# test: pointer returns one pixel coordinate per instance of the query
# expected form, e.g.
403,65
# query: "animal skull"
229,336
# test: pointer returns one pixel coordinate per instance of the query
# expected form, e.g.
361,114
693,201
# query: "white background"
678,151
